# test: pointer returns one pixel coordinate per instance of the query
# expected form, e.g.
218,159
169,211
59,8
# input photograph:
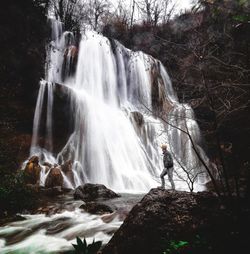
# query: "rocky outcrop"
70,61
165,216
137,117
19,87
96,208
67,166
54,178
67,170
89,192
32,170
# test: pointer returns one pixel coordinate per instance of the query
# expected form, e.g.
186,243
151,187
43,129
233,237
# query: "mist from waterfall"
117,134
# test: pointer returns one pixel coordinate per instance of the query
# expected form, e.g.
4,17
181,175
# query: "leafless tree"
189,175
121,14
194,146
155,11
96,10
221,74
70,12
132,13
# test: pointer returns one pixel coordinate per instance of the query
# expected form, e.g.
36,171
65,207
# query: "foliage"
196,245
83,248
174,246
14,194
242,18
23,33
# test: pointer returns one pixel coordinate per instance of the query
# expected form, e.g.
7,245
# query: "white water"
56,233
107,146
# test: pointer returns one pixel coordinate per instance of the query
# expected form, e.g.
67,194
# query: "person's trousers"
169,172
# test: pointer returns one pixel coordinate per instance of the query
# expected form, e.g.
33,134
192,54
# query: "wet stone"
96,208
90,192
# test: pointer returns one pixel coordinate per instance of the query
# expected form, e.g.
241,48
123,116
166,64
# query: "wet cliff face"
207,55
23,29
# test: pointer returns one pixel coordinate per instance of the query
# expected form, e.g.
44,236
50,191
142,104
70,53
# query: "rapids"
50,232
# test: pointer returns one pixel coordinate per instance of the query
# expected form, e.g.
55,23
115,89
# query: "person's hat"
163,146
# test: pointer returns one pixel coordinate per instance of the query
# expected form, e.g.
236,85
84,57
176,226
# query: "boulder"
96,208
120,214
67,166
32,170
47,166
108,217
163,217
34,159
67,170
46,169
89,192
54,178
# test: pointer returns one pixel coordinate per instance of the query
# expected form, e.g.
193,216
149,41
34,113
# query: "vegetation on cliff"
23,28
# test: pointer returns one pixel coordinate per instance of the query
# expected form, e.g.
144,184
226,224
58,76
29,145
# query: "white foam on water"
40,233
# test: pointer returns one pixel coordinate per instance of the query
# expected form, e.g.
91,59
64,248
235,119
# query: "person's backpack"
168,160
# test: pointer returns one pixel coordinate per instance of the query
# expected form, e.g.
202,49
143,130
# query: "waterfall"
116,95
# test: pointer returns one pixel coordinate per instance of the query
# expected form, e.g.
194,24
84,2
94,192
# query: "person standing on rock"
168,167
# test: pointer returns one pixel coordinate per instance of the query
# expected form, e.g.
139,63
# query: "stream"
54,227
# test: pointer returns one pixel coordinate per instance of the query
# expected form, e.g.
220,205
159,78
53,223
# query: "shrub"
15,196
83,248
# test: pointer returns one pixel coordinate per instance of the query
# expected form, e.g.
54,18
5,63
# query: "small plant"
83,248
174,246
241,18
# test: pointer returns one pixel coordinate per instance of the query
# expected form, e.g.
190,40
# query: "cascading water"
115,95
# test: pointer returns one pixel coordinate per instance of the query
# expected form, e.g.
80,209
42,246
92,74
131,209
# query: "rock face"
67,170
163,216
137,118
89,192
18,92
54,178
67,166
32,170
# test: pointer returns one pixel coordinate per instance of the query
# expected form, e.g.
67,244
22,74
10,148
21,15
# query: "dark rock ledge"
200,219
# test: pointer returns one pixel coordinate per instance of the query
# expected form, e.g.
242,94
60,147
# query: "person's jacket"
167,160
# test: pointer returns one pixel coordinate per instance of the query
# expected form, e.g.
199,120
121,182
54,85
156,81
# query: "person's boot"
162,183
173,187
